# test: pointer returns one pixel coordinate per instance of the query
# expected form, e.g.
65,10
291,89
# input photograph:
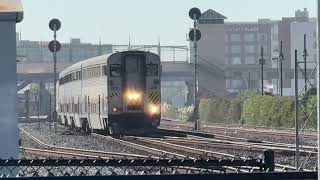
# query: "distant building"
37,51
235,47
291,32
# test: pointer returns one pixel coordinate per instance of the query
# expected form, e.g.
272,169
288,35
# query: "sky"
145,21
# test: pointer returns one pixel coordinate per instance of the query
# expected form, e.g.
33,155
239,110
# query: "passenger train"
114,93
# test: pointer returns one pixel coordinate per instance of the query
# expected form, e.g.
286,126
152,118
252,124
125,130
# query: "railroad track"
218,140
170,154
169,147
281,148
259,131
56,151
243,126
205,153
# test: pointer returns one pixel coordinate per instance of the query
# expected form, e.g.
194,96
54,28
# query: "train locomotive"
113,93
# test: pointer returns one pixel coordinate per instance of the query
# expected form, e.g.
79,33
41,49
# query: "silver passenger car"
114,93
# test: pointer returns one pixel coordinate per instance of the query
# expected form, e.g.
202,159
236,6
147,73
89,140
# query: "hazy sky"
143,20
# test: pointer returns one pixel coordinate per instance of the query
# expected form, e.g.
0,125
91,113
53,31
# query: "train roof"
93,61
85,63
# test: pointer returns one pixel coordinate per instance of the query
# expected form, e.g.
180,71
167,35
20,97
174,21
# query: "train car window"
152,70
115,70
105,70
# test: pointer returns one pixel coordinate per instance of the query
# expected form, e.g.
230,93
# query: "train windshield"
115,70
132,64
152,70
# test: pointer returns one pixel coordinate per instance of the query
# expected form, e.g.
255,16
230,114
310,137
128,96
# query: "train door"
134,82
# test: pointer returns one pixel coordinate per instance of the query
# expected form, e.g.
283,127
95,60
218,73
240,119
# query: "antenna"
129,46
100,47
159,47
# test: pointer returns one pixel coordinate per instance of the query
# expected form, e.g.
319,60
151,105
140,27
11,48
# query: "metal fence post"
269,160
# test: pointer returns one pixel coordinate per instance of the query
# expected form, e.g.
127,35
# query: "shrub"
268,111
169,111
311,111
185,113
220,110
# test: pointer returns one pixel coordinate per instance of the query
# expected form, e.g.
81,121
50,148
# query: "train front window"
132,64
152,70
115,70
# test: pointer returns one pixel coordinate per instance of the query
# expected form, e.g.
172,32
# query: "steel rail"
208,153
311,135
93,153
160,153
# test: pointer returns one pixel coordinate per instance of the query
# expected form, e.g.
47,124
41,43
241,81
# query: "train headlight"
133,96
153,109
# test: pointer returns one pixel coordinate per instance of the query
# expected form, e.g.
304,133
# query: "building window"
249,37
250,60
235,37
263,37
235,60
235,49
237,75
226,49
250,49
275,37
226,59
226,38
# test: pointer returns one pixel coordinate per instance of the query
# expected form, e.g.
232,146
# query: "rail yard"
65,143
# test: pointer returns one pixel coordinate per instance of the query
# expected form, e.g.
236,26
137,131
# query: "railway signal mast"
54,47
195,35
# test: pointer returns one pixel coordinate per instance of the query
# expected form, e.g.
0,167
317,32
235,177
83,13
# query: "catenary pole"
281,58
296,107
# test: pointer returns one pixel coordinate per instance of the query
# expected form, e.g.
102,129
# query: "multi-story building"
291,32
37,51
236,47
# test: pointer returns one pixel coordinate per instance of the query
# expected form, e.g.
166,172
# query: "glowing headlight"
154,109
133,96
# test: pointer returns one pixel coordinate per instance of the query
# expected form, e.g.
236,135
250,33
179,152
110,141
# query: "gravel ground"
66,138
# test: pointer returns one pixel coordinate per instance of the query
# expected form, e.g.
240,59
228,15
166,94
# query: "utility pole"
281,58
296,107
249,80
262,62
318,86
305,55
49,114
27,115
37,96
195,36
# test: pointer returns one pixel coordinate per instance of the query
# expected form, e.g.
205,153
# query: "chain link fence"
111,167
